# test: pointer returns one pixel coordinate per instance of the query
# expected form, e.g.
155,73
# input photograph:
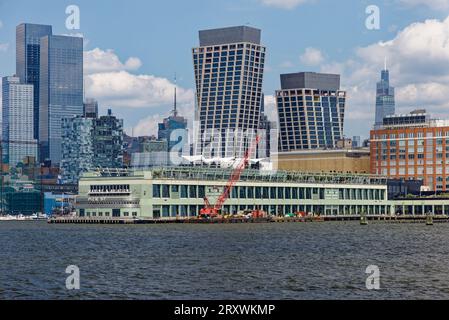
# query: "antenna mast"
175,111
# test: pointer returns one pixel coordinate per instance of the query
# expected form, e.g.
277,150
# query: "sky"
134,48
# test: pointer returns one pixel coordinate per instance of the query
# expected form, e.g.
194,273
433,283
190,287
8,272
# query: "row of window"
403,135
106,214
242,192
109,188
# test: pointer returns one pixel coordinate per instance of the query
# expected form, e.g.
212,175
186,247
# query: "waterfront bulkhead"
179,192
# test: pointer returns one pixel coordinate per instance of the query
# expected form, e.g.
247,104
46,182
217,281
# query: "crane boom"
208,210
236,174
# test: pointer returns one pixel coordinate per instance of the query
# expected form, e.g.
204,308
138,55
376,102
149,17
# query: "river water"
238,261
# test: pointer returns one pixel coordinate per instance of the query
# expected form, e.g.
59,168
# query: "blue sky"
158,36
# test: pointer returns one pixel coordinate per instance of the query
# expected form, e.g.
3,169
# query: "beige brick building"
343,161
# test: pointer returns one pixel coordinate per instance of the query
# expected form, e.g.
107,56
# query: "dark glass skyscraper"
28,61
61,90
385,104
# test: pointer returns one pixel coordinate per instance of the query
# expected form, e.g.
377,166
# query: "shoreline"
322,219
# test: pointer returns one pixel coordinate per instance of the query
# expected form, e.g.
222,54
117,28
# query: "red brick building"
412,147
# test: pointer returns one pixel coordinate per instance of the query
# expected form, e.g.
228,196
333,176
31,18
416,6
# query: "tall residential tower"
229,65
311,109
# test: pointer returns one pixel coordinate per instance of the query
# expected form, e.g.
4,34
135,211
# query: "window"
165,191
202,192
192,192
156,191
184,192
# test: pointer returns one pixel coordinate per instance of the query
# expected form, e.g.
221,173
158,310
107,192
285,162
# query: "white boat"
22,217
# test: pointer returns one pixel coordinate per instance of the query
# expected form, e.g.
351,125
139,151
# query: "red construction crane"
214,211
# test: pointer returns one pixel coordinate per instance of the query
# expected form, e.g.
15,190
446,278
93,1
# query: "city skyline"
146,100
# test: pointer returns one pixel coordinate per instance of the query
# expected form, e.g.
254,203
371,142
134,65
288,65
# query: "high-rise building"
229,65
28,61
412,146
77,148
17,121
108,141
91,108
61,90
265,131
174,130
385,103
89,143
311,109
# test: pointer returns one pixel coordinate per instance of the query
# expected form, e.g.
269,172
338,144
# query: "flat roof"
229,35
220,174
310,80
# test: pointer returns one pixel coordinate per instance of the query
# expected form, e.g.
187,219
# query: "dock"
194,220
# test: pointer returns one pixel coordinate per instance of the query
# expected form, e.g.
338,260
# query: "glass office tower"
61,90
17,121
311,109
385,103
229,65
28,61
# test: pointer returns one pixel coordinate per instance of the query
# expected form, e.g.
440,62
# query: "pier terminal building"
164,193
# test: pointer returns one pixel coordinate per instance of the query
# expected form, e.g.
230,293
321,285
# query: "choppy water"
247,261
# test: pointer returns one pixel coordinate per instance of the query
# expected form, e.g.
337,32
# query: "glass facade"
61,90
28,61
167,128
17,121
90,143
108,141
228,67
310,118
385,103
77,148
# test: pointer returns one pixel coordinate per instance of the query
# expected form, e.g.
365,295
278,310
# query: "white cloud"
418,60
312,57
147,126
4,47
283,4
433,4
123,89
98,60
110,81
1,24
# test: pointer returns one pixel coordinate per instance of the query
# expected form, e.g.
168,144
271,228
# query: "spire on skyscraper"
175,111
